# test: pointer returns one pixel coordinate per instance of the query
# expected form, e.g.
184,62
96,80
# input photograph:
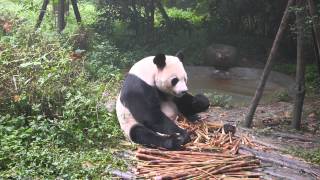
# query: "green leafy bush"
221,100
53,121
289,69
180,15
105,55
312,79
282,96
43,149
309,155
186,14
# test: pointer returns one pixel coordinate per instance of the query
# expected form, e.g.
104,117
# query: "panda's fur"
153,94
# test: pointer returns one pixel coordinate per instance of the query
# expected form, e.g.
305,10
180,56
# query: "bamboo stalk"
233,165
148,157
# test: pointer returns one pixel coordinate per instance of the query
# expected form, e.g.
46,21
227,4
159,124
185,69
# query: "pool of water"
239,83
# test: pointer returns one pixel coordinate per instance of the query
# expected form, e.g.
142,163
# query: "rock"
229,128
221,56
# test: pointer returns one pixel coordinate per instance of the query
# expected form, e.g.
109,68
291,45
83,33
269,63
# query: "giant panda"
153,94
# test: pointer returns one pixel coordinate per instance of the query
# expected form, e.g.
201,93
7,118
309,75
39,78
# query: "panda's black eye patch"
174,81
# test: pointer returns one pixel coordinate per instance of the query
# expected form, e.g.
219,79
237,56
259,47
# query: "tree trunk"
135,18
316,30
300,85
316,51
268,66
149,10
76,10
42,13
152,14
61,22
67,7
163,12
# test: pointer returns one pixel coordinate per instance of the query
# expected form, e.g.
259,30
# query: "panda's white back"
145,69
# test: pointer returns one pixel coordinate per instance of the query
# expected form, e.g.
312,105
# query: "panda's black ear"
160,61
180,55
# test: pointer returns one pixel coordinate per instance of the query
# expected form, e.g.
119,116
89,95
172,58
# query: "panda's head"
171,77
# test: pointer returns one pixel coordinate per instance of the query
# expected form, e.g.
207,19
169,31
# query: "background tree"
60,7
268,66
301,66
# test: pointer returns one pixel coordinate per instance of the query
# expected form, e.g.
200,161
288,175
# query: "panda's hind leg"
141,135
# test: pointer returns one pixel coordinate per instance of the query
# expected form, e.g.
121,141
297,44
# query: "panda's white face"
178,85
172,79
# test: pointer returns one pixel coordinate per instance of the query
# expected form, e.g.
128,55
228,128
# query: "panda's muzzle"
183,92
180,94
180,89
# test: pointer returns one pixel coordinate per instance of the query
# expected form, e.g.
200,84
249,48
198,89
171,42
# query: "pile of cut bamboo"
212,136
210,155
159,164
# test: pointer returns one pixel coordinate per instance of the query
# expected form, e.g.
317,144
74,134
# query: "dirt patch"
275,116
271,127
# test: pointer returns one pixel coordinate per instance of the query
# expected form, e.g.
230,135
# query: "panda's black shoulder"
134,88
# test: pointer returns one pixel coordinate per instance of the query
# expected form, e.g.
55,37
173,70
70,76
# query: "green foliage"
282,96
29,11
163,41
309,155
129,31
53,121
88,13
311,75
289,69
105,55
26,9
43,149
312,79
221,100
183,14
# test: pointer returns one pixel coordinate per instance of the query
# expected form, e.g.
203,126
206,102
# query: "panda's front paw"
193,118
175,142
172,143
184,137
200,103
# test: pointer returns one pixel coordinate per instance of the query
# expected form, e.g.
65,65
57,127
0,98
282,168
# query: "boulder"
220,56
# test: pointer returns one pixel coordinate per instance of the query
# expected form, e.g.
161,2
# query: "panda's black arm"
151,116
143,102
189,105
